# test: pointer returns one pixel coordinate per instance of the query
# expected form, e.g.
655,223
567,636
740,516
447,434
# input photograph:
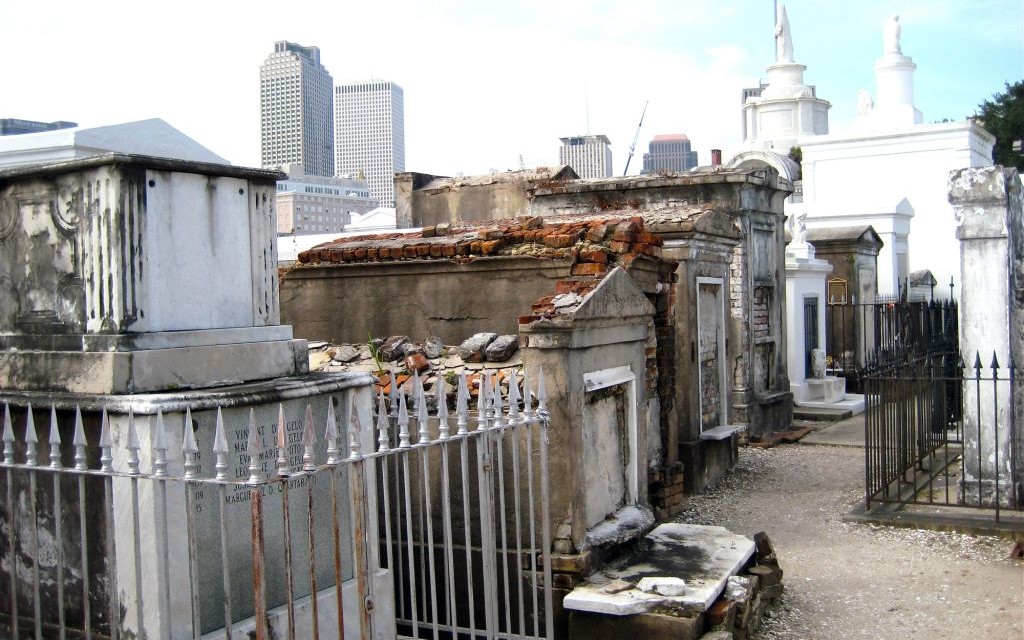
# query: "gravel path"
856,581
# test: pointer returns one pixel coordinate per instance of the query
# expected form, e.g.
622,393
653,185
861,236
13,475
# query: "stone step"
819,414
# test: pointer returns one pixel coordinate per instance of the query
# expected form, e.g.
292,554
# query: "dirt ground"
858,581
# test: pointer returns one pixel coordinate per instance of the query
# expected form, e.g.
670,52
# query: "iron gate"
432,524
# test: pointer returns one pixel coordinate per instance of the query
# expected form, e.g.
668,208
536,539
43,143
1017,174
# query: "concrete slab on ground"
845,433
698,559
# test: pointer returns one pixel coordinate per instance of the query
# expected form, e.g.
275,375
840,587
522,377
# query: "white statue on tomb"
864,103
891,35
783,38
798,229
818,364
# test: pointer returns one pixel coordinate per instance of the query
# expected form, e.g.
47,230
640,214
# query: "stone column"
987,203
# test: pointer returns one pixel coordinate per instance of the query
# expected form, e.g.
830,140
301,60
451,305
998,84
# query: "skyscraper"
295,105
670,152
589,156
369,127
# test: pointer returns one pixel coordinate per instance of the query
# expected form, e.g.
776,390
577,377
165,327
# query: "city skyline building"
369,129
590,156
296,114
308,204
669,152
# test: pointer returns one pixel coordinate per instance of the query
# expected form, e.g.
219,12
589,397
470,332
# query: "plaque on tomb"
837,291
234,521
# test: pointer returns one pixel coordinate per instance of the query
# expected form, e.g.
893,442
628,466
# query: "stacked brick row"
597,244
762,301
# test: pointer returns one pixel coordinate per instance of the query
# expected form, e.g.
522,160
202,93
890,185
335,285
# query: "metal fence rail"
860,333
942,434
445,528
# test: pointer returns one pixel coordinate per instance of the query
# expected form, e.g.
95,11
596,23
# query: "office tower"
295,105
670,152
369,128
589,156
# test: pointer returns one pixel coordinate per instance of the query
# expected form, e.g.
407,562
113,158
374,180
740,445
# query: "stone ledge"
721,432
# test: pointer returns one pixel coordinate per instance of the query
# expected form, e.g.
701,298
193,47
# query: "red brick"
436,251
588,269
559,241
347,254
490,247
409,252
528,319
594,255
620,247
373,253
619,236
428,232
423,250
448,250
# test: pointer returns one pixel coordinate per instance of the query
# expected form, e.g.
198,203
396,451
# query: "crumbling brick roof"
607,239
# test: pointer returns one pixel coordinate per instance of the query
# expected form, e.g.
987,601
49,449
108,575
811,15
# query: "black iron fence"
942,433
859,332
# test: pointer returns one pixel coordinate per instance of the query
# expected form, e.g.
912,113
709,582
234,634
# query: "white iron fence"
394,522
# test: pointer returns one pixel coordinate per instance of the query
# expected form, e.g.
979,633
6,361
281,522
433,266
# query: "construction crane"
632,147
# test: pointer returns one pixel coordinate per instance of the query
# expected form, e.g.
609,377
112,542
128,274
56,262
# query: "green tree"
1003,117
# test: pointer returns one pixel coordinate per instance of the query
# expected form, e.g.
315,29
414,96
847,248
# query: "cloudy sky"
487,82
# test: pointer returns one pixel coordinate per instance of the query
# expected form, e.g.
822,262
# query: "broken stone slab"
662,586
704,557
472,349
433,348
346,353
317,344
393,348
502,348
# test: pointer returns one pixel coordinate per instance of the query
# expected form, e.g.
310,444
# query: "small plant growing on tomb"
374,353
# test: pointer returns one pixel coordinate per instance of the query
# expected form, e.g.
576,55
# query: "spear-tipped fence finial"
995,365
133,445
483,402
331,434
159,446
31,440
393,393
354,428
253,449
106,444
54,440
527,394
383,441
513,398
189,447
462,405
403,423
441,395
497,405
308,442
422,415
79,442
8,436
220,448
